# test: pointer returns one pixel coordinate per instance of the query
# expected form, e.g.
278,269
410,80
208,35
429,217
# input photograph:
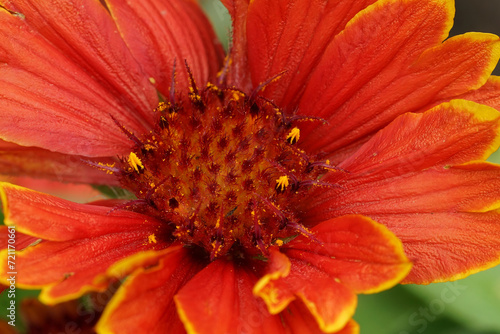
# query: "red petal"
331,303
473,187
79,193
363,82
292,36
161,32
350,255
85,33
51,102
469,58
451,133
298,320
407,173
144,303
55,219
40,163
19,240
238,71
446,218
446,246
359,252
87,242
228,303
66,270
489,94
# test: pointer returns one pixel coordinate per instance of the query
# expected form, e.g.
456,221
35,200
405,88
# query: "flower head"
337,145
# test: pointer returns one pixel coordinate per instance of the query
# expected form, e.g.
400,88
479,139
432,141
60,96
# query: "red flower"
270,193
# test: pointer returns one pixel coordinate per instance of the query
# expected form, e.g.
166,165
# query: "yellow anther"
135,162
282,183
162,106
152,238
293,136
278,242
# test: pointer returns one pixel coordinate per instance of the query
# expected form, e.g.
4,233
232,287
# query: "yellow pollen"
152,238
282,183
278,242
162,106
236,96
293,136
135,162
106,165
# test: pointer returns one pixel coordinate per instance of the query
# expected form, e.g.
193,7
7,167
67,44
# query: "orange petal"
228,303
354,250
19,240
447,219
451,133
473,187
488,94
36,162
144,303
161,32
292,36
65,270
363,82
447,246
80,243
349,255
470,59
63,93
85,33
417,168
80,193
331,303
298,320
51,218
5,328
352,254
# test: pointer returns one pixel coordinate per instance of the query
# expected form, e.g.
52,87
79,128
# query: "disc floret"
223,170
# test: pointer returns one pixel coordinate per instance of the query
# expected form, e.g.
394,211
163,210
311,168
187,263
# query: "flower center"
223,170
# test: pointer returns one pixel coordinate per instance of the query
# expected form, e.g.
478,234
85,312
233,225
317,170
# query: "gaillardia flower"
338,149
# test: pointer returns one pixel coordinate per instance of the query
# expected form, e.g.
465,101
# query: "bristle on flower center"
223,169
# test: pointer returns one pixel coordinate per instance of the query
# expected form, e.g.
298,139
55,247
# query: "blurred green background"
468,306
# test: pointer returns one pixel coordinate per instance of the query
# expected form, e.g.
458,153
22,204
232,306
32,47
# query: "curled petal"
150,291
80,242
298,320
352,254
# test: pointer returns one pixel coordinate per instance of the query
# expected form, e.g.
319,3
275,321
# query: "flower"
338,142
